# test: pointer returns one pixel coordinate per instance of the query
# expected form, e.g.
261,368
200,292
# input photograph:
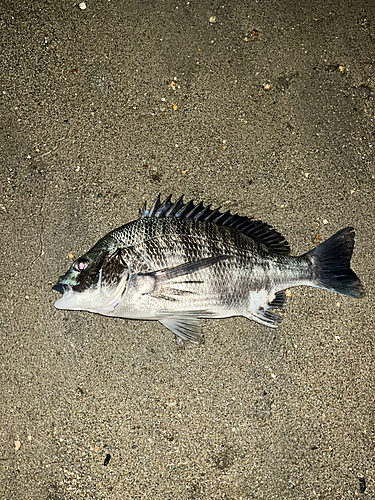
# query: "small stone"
82,6
364,91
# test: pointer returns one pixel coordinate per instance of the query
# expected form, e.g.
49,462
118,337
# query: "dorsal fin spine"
203,213
154,207
175,207
255,229
195,211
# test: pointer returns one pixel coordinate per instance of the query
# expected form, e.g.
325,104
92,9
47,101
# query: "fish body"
178,263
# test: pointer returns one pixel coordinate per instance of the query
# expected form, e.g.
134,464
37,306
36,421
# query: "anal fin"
279,301
267,318
264,315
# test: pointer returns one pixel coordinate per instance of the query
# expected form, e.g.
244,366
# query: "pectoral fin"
168,287
186,268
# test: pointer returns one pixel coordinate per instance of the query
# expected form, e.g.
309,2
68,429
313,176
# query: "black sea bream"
180,262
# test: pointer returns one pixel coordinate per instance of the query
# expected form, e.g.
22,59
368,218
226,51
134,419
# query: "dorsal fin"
256,229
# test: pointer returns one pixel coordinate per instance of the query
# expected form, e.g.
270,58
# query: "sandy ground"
264,107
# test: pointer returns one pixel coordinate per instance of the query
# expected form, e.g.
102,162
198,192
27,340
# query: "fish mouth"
59,287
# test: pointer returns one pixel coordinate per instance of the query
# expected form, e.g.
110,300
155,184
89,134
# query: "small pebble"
325,221
362,485
82,6
364,91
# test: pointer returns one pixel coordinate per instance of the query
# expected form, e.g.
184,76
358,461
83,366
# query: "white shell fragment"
82,5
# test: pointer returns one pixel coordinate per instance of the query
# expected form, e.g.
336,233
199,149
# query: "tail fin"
332,265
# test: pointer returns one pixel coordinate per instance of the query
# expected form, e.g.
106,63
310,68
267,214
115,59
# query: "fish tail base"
331,262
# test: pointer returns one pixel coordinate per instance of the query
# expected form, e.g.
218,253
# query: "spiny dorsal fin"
256,229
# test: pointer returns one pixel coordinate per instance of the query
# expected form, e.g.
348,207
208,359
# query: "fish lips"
59,287
64,289
68,299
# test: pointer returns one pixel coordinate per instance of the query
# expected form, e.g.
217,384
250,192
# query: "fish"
179,263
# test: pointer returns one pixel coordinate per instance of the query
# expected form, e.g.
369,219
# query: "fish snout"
59,288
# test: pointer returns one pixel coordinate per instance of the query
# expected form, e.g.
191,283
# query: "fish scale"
181,262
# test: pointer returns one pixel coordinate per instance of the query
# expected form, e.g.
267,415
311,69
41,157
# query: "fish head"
96,281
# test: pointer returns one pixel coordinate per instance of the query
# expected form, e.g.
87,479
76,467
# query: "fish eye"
80,265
